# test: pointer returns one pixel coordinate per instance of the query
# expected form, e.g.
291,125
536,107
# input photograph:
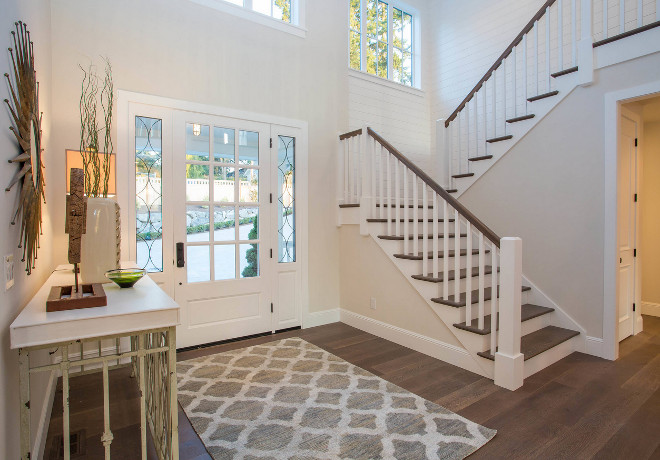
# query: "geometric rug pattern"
290,399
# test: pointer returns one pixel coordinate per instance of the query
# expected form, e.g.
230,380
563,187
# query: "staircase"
468,275
552,55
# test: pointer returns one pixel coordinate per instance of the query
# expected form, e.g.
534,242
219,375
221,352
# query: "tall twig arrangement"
97,171
24,109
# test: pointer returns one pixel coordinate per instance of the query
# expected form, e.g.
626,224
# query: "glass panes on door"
148,194
286,215
222,208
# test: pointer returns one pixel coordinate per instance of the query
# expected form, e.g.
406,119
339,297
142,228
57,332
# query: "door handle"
180,259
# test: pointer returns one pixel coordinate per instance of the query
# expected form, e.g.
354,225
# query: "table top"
144,306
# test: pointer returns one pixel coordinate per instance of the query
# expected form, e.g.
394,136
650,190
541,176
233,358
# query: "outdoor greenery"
252,254
376,25
199,228
285,6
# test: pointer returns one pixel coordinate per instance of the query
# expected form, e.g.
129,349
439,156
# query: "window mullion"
363,48
390,41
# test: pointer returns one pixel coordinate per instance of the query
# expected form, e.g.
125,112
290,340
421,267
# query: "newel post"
509,362
365,178
585,46
340,179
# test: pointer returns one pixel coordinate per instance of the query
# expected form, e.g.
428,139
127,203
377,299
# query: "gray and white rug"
292,400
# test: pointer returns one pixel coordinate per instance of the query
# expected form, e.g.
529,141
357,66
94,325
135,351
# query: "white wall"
552,182
182,50
36,14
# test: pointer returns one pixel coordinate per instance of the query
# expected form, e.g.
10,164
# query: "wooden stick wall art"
24,109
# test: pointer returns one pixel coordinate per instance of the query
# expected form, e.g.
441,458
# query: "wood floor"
581,407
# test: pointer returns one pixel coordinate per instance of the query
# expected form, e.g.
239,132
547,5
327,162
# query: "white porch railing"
390,189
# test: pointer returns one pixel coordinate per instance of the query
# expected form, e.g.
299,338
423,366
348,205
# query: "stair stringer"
565,85
443,312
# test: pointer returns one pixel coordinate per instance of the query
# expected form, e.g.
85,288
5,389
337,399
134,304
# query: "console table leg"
24,389
174,408
66,436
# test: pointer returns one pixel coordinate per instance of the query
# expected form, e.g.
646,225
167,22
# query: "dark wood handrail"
499,60
453,202
350,134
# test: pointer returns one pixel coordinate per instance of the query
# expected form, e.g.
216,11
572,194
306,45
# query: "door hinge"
635,252
271,307
633,307
271,142
635,198
271,253
271,198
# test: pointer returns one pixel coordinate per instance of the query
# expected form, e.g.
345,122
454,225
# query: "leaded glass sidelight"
148,193
286,215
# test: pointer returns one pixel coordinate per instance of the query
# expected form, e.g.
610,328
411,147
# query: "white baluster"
360,158
388,160
640,13
347,167
547,46
476,128
657,10
372,162
457,252
415,213
514,81
397,191
525,69
445,249
436,230
485,118
560,32
536,57
622,16
468,275
574,33
604,18
425,230
406,211
494,297
381,182
504,101
482,280
467,132
459,156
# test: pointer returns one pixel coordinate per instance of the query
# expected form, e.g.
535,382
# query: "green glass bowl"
125,277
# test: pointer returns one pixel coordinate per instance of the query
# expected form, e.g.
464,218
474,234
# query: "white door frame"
612,113
123,163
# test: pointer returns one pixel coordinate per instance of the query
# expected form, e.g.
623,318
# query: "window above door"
285,15
384,40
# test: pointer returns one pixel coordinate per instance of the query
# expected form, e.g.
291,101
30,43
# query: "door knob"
180,259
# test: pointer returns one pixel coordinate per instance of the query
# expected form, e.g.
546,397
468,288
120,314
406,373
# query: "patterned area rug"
290,399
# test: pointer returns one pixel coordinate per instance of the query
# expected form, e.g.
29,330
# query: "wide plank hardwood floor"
581,407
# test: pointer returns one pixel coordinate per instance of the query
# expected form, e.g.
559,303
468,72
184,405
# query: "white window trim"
296,27
371,78
416,46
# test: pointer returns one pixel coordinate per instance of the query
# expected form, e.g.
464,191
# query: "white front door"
627,171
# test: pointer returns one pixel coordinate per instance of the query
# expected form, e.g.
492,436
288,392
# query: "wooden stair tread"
452,275
475,297
350,205
458,176
411,237
482,157
499,139
441,255
527,311
421,206
521,118
537,342
409,220
561,73
542,96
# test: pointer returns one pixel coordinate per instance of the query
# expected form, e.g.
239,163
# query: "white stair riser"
430,290
551,356
414,267
482,342
457,315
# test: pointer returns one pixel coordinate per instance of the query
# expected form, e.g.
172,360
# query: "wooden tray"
64,298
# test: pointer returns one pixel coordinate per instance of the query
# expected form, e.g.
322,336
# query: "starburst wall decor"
24,109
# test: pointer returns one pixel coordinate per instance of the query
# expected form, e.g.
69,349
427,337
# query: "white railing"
558,40
435,227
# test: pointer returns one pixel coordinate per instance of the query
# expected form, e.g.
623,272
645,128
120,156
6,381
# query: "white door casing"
201,323
627,224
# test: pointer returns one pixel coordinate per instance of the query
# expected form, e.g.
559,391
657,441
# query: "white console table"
146,315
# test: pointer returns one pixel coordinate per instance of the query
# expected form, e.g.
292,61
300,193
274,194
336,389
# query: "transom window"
381,40
278,9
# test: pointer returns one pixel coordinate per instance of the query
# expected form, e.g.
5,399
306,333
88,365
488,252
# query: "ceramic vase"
101,240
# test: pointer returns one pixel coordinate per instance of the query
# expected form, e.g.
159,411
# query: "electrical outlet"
9,271
373,303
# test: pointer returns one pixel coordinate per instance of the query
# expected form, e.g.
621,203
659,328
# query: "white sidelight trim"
509,362
320,318
427,345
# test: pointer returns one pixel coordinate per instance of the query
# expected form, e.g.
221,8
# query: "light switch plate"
9,271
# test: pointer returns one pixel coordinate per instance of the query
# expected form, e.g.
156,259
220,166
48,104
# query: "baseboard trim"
650,308
418,342
321,318
39,446
594,346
